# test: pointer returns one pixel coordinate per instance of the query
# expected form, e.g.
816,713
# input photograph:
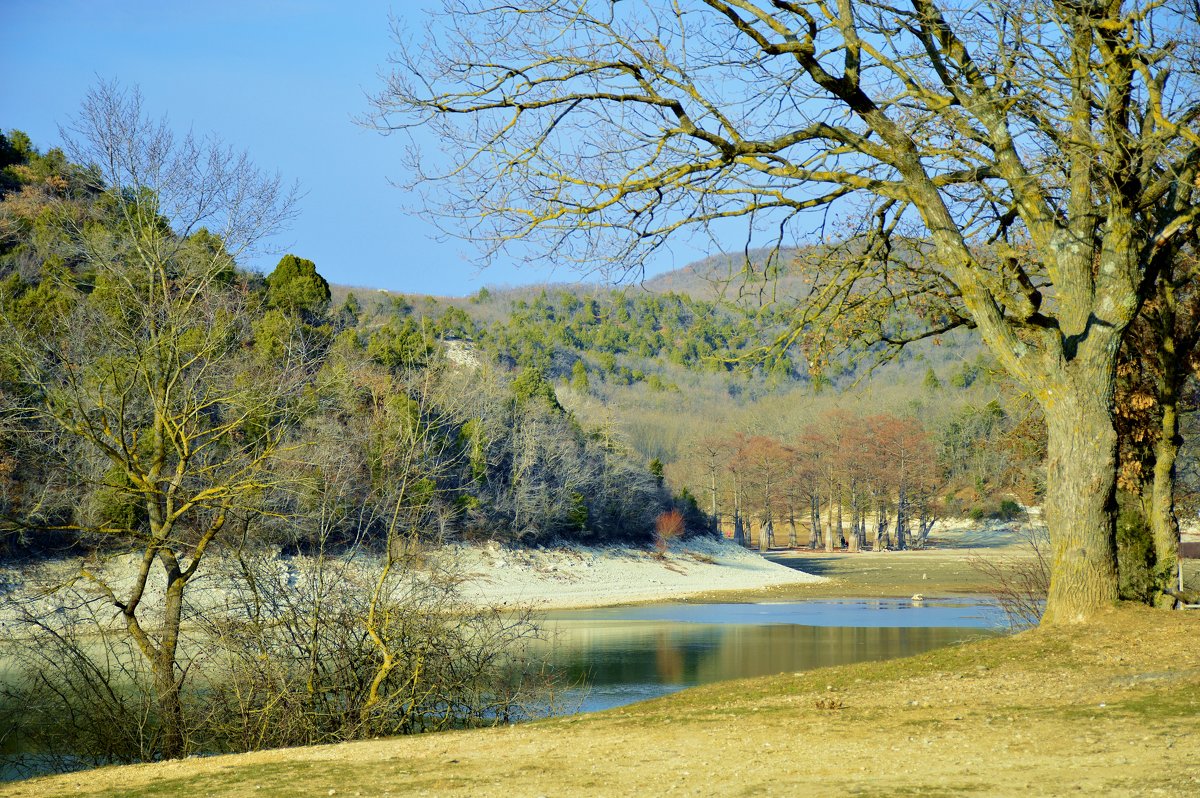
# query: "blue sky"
282,79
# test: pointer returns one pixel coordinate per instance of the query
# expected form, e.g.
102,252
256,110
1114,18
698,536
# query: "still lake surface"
616,656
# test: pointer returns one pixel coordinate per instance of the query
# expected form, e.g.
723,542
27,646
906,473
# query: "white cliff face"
462,353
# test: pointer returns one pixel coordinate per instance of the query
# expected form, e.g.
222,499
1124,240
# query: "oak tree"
1024,169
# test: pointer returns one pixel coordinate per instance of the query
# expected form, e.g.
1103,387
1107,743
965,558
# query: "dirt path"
1108,709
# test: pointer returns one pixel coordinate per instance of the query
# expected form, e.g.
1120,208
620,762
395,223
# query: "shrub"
667,527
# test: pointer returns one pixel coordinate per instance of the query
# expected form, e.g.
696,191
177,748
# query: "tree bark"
1164,524
1081,502
166,682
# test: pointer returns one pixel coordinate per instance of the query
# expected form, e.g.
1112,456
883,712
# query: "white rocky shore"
579,576
545,578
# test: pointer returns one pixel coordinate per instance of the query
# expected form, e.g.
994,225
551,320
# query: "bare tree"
143,378
1041,156
763,464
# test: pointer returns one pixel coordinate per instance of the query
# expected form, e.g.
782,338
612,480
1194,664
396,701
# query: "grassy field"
1110,708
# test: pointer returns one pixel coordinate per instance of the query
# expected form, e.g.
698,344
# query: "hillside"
669,364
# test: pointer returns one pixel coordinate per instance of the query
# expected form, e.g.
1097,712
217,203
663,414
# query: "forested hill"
670,374
149,386
529,414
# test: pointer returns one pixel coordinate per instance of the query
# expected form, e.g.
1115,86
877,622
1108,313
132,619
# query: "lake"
615,656
619,655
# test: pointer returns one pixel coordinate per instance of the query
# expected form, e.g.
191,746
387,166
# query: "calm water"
627,654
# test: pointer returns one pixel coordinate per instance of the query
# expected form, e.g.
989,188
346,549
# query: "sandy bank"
551,578
579,576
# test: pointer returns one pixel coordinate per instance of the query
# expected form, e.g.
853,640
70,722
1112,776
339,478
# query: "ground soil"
1107,708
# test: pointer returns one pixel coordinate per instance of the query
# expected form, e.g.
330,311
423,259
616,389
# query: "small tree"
295,287
143,380
667,527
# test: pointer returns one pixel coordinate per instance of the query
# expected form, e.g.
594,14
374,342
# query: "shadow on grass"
817,566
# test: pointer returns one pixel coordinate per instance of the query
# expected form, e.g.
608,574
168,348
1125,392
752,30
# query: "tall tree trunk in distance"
902,519
829,526
882,541
739,531
814,506
841,532
716,521
855,542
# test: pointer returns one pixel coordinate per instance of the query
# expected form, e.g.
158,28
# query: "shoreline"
580,577
1106,708
564,577
701,569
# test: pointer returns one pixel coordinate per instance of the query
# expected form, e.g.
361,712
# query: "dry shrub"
288,659
667,527
1019,584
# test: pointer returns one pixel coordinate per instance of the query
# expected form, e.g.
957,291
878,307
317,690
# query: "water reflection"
630,654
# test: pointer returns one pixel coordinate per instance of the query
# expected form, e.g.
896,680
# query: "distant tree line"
844,481
496,455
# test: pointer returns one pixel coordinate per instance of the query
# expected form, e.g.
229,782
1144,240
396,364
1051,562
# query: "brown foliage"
667,527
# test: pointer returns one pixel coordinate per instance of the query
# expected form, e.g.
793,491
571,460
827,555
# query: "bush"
1008,510
1019,584
667,527
1135,555
302,651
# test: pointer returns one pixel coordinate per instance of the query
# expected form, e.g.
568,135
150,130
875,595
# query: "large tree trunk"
1081,500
